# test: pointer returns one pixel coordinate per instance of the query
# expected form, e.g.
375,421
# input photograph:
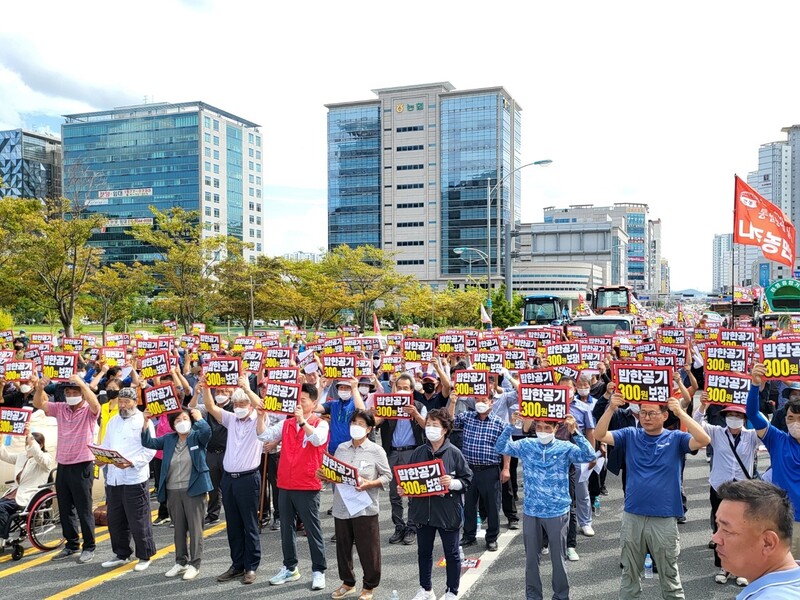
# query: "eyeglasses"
649,414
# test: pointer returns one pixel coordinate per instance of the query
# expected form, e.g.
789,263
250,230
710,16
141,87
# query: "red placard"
59,366
337,471
781,358
421,479
281,397
161,399
544,402
638,383
155,364
17,370
223,371
13,420
390,406
253,360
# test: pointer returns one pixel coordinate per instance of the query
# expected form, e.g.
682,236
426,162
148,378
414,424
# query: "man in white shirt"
127,495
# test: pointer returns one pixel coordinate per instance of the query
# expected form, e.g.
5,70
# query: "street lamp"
489,191
485,258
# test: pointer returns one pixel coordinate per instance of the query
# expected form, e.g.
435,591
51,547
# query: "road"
499,575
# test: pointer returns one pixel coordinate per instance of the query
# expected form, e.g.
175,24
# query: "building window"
410,262
251,178
206,122
250,164
216,213
258,220
410,148
258,141
207,152
411,224
207,180
216,227
216,154
251,152
216,198
252,219
258,233
216,140
251,192
258,167
412,128
207,138
252,232
252,206
411,205
258,193
411,243
216,182
250,138
258,208
258,247
258,154
410,186
216,125
207,196
216,169
208,211
410,167
258,180
207,166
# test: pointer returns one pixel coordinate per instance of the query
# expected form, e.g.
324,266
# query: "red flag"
758,222
375,327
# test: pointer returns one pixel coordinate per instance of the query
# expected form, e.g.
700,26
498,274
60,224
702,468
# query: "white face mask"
219,399
418,386
241,413
583,392
634,408
545,438
183,426
794,430
358,432
481,407
376,362
74,400
363,390
734,422
434,434
25,388
345,394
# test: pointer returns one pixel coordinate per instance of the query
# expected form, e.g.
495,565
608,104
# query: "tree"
238,281
369,274
54,260
184,273
505,314
113,291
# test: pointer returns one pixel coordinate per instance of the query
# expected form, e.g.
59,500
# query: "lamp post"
489,191
485,258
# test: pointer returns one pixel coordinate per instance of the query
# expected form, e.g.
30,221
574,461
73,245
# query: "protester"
183,484
241,480
127,493
734,452
303,439
581,408
654,460
31,470
546,506
76,421
754,538
348,400
360,528
435,387
442,513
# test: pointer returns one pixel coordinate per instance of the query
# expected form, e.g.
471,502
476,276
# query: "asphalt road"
500,574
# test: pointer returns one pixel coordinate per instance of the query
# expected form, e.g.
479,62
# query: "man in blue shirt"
348,399
753,537
653,461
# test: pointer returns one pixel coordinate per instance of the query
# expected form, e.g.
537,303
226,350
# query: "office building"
721,263
410,172
568,280
666,285
191,155
30,165
300,255
654,256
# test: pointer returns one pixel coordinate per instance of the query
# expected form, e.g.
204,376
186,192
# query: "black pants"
303,504
7,508
508,491
129,517
363,533
240,497
397,458
426,535
74,495
163,512
214,461
486,487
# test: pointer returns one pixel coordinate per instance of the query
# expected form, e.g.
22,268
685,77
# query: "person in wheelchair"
31,470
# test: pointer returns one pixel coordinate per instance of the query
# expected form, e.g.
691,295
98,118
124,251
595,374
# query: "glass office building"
408,173
30,165
191,155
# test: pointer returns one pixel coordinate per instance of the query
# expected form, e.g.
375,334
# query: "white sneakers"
175,571
115,562
141,565
191,573
284,576
318,581
587,530
572,555
422,594
449,596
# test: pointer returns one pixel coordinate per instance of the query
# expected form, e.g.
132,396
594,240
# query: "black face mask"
428,387
112,394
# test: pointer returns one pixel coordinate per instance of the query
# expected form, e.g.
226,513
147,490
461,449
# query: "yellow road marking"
114,573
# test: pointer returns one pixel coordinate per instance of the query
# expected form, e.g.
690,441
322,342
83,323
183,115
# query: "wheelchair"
39,522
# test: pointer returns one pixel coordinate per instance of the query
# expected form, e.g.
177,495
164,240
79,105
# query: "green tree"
505,314
238,280
113,292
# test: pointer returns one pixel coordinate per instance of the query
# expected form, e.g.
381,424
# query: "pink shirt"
75,432
162,428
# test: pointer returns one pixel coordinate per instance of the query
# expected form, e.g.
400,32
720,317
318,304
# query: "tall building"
654,256
629,217
30,165
300,255
411,172
721,267
666,285
191,155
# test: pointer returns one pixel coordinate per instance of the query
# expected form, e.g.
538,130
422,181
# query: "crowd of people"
222,449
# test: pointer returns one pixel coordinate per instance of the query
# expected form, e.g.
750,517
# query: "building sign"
128,222
418,106
125,193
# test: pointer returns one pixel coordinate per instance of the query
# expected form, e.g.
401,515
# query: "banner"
781,358
727,388
414,350
103,456
390,406
281,397
723,359
339,366
759,222
223,372
14,371
253,361
487,361
421,479
643,384
336,471
59,366
13,420
161,399
550,403
155,364
471,383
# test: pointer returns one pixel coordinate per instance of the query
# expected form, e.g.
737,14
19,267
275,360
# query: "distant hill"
690,292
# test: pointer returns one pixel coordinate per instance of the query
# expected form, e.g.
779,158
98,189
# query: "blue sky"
633,101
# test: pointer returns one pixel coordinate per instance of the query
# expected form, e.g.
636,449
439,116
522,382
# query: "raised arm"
601,433
40,398
88,394
444,378
699,437
757,420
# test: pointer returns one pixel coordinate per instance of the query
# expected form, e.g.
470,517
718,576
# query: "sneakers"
285,575
65,553
318,581
410,537
207,521
85,557
572,555
276,525
721,577
141,565
114,562
191,573
545,551
398,535
742,582
587,530
513,525
422,594
176,570
162,521
449,596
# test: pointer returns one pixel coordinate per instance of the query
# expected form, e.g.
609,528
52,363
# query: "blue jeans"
426,535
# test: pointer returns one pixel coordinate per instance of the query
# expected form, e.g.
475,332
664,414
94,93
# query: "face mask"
357,432
74,400
112,394
583,392
363,390
434,434
241,413
418,386
221,399
734,422
376,363
634,408
183,426
481,407
545,438
345,394
428,387
25,388
794,430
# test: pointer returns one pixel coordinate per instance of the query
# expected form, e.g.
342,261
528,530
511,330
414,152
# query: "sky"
653,102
